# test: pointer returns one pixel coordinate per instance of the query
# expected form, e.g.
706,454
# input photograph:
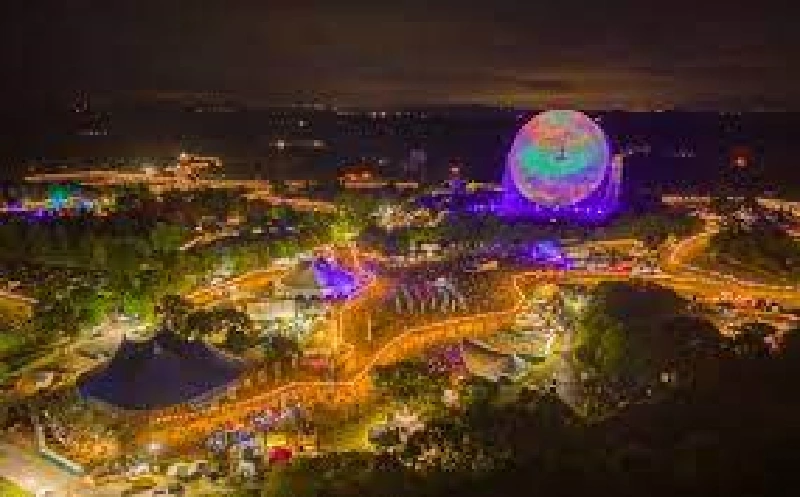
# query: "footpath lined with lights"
412,340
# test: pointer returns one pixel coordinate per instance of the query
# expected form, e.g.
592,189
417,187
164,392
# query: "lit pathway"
414,340
350,391
35,474
208,238
677,263
250,281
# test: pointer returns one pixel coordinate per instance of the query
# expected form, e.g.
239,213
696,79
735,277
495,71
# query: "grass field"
13,312
768,256
8,489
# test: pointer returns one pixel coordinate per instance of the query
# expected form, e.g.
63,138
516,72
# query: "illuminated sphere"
559,158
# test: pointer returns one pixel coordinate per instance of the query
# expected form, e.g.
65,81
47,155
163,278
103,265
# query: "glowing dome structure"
560,167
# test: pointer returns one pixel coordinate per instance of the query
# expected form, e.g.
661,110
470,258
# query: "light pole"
154,450
334,358
369,327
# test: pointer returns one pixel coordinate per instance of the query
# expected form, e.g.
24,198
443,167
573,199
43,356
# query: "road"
345,392
563,373
713,286
176,428
349,390
678,258
30,471
35,474
249,282
208,238
411,341
683,251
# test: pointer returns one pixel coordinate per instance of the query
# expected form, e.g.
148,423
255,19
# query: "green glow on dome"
548,162
558,158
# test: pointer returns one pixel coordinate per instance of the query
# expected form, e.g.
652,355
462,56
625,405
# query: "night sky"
528,53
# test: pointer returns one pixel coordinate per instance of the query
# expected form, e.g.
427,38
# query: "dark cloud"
374,53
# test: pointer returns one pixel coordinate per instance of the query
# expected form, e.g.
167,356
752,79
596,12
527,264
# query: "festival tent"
302,282
163,371
318,279
481,360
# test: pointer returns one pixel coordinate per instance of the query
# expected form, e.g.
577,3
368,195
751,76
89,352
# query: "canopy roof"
163,371
302,278
482,360
320,276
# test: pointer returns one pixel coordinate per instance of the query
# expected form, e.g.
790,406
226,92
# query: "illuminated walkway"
359,356
176,429
680,272
253,280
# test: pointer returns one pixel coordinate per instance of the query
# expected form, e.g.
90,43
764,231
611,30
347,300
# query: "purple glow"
446,360
549,252
536,187
338,281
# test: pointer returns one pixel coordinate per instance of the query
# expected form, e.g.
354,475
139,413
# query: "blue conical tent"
163,371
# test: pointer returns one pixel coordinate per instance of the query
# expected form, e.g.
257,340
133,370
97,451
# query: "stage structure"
560,168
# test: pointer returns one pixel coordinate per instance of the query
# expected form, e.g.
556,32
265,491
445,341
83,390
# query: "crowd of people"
446,289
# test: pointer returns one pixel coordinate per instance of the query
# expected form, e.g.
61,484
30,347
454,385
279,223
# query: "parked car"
170,489
139,484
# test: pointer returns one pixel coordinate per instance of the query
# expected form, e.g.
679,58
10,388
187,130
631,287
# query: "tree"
409,379
280,348
602,343
768,251
343,229
231,318
223,320
175,310
789,357
133,197
11,343
725,204
200,324
750,340
385,438
237,341
633,332
165,237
